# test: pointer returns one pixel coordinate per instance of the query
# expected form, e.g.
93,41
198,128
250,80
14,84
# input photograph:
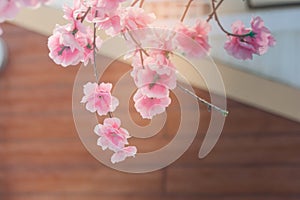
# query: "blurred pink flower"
121,155
64,49
257,43
157,61
8,10
136,18
109,4
193,41
149,107
110,22
262,35
98,98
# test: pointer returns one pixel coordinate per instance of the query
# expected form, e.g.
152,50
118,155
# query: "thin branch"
142,3
137,43
210,16
186,10
142,58
223,29
94,54
209,105
85,14
134,3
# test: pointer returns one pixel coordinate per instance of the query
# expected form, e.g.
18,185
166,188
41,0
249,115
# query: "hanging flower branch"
152,69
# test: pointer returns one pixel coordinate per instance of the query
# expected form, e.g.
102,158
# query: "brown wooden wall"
41,156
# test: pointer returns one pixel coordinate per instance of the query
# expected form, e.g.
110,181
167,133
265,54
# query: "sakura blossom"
64,48
146,76
114,138
193,41
98,98
257,42
121,155
148,107
262,35
157,61
136,18
8,10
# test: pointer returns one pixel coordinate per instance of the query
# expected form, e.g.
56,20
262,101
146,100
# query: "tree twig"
186,10
223,29
209,105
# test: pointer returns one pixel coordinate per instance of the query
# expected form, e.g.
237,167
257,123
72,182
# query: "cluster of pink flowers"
257,42
153,72
113,137
98,99
10,8
74,42
154,76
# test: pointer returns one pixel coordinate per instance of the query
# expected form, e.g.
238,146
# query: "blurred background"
257,156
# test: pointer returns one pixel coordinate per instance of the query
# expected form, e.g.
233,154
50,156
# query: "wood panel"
42,157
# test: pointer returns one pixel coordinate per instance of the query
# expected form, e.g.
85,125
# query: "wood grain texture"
42,157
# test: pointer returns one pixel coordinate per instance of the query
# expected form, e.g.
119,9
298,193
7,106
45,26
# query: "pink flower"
74,16
86,42
149,107
145,76
258,43
161,39
8,10
155,91
111,23
115,138
121,155
64,49
157,61
112,136
197,45
136,18
98,98
109,4
262,35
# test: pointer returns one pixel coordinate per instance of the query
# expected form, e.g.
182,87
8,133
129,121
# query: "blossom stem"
142,3
137,43
110,114
209,105
134,3
85,14
221,26
94,54
142,58
210,16
186,10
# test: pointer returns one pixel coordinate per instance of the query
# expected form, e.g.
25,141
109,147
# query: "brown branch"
221,26
134,3
186,10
